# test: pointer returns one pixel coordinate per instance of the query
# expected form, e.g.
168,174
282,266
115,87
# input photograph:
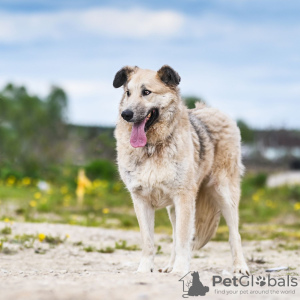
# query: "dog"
187,160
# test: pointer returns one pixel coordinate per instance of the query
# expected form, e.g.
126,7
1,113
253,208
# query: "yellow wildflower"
297,206
37,195
64,189
105,210
270,204
255,197
32,203
96,183
26,181
6,220
11,180
67,235
222,229
42,237
104,184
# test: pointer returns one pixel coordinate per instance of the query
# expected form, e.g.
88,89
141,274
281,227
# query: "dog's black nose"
127,114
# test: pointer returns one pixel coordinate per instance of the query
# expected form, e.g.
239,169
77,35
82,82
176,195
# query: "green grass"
264,212
89,249
159,250
106,250
6,230
122,245
26,241
106,204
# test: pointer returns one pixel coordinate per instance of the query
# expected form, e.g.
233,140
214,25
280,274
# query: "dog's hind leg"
172,216
228,202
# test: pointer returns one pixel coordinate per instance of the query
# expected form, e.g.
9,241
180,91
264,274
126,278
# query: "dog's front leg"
145,215
185,215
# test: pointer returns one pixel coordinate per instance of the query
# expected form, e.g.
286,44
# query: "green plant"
89,249
158,250
54,240
6,230
103,169
247,133
106,250
122,244
78,244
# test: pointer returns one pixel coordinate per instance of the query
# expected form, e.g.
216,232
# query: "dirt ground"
67,271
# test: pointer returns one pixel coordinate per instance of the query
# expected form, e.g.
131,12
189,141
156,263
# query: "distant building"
274,147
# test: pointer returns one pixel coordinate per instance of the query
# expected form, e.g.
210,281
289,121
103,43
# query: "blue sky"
241,56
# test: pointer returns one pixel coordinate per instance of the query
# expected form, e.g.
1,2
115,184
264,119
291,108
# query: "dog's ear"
168,75
122,75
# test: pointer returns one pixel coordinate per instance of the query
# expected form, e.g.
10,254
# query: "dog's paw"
181,265
146,265
144,270
241,268
166,269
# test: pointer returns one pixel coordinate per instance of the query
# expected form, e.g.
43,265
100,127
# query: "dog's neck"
160,136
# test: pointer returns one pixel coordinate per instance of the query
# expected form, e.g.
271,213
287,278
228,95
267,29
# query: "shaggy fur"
191,165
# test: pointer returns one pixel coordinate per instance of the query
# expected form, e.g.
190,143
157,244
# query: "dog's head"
149,102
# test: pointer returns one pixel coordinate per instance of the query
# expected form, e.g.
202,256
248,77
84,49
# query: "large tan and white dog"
188,161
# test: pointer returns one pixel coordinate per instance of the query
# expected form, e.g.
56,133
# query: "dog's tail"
207,217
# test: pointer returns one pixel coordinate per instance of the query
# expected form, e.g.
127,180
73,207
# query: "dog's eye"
146,92
127,93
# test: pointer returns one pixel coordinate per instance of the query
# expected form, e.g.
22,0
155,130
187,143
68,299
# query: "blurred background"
58,107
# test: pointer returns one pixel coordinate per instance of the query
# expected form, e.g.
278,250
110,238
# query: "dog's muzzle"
127,114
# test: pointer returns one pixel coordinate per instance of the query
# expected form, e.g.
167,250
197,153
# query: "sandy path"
68,272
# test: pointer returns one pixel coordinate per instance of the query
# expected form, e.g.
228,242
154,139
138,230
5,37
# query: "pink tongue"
138,136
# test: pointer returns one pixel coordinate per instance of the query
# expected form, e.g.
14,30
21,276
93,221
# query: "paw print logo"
261,281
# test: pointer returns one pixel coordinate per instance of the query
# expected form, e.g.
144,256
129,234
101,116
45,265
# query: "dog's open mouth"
138,134
151,118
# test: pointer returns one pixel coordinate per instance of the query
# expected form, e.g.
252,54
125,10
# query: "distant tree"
32,130
247,133
190,101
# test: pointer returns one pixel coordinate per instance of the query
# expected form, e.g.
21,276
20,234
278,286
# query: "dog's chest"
154,179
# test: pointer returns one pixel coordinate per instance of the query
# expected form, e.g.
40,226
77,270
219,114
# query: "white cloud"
247,68
136,23
132,23
222,28
140,23
85,88
92,101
